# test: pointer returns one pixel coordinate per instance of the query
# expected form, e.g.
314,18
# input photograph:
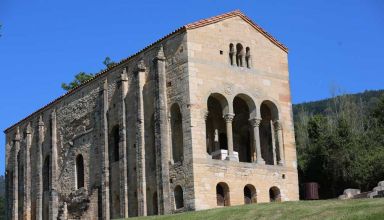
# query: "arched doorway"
244,109
269,114
222,194
216,134
274,194
250,194
179,197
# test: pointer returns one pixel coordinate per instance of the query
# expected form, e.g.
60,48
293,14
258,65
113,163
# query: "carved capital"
29,129
140,67
160,54
17,135
123,76
41,123
255,122
53,114
277,125
229,117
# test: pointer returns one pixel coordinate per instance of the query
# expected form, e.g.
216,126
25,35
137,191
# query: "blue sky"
44,43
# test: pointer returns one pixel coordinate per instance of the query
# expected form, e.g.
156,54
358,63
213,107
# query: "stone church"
201,118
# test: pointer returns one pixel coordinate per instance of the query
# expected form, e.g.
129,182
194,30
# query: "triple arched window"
239,56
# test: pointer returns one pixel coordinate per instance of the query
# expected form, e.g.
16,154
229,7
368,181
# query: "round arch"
222,194
274,194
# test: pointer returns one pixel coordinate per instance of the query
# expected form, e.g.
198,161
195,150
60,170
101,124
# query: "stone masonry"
199,119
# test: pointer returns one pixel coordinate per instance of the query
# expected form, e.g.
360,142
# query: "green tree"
108,62
82,77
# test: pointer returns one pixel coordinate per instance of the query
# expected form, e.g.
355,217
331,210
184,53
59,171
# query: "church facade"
201,118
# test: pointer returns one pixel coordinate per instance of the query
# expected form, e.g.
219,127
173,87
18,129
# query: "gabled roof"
190,26
218,18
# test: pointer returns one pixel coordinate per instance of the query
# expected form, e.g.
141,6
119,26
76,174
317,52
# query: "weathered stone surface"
120,145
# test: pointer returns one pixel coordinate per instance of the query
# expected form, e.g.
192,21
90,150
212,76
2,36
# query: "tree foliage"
343,145
82,77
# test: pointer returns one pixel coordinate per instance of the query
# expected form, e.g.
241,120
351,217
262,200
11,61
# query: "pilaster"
105,159
140,140
39,170
15,206
54,200
27,174
123,147
161,135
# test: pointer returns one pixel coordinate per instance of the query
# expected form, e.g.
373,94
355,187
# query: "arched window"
222,194
244,109
79,171
231,53
248,57
177,133
249,194
215,128
274,194
239,55
179,198
114,144
269,114
46,174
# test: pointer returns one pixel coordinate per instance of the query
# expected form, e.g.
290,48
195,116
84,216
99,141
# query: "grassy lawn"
324,209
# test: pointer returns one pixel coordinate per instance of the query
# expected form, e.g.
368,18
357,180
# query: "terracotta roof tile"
190,26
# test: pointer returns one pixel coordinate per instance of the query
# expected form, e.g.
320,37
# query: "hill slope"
326,209
369,98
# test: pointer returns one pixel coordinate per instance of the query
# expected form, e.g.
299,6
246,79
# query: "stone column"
140,141
104,154
228,121
242,57
54,200
273,142
123,148
161,135
279,133
255,122
27,174
39,170
16,142
231,56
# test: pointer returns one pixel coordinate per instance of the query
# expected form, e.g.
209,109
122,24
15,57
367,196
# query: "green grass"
324,209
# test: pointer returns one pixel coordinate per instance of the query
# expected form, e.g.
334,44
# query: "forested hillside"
340,142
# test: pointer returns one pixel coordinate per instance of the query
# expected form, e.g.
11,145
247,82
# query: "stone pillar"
54,200
39,170
140,141
255,122
16,147
279,134
232,58
228,121
27,174
273,142
242,57
104,154
161,135
123,147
